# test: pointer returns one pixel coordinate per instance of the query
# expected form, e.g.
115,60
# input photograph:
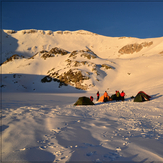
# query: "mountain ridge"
104,46
84,61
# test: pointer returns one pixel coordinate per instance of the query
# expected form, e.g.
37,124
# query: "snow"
40,121
55,130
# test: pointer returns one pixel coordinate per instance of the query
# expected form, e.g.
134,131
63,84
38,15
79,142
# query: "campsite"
140,97
42,79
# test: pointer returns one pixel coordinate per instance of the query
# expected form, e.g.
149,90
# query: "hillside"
37,60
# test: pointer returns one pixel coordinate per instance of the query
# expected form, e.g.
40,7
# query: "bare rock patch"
131,48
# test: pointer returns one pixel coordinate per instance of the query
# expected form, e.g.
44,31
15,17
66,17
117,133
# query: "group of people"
119,96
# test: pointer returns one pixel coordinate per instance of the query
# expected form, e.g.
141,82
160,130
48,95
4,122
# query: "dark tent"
141,96
84,101
113,97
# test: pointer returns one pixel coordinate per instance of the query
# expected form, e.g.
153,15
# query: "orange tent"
102,98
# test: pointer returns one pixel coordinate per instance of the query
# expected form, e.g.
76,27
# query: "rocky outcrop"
73,73
13,57
75,69
52,52
106,66
57,50
11,31
72,77
47,54
49,32
131,48
161,52
83,53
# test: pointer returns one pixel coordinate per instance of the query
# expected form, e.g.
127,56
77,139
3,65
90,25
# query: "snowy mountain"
37,60
54,69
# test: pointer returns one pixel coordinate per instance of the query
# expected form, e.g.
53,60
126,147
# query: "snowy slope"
132,60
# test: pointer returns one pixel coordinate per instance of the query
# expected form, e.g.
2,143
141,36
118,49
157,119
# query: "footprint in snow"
91,153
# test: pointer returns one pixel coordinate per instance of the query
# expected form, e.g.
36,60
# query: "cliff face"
131,48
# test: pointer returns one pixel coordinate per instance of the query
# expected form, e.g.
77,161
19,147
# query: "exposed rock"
46,79
83,32
49,32
11,31
69,62
51,53
49,79
57,50
161,52
73,54
33,56
41,31
84,62
74,63
23,31
94,70
72,77
88,55
43,51
123,37
31,31
106,66
67,32
131,48
13,57
83,53
147,44
47,55
59,32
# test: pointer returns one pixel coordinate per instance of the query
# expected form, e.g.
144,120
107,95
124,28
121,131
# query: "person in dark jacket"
98,95
118,97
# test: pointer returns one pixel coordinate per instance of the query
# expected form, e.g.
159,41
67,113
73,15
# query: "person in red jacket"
91,98
122,96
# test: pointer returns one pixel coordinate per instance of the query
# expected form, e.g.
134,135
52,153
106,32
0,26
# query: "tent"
141,96
84,101
113,97
101,99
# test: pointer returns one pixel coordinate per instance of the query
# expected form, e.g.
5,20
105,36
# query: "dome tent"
84,101
141,96
113,97
102,98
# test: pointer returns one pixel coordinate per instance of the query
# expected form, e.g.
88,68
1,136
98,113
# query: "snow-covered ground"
40,121
48,127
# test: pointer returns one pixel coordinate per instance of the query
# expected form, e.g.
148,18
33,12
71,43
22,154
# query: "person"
105,96
98,94
122,95
117,96
91,98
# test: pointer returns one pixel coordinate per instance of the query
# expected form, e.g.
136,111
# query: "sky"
108,18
